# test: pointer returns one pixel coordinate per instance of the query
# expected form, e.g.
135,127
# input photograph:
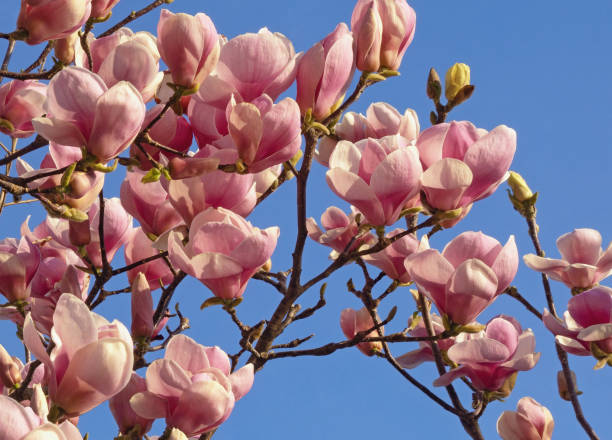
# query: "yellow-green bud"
520,189
563,388
457,77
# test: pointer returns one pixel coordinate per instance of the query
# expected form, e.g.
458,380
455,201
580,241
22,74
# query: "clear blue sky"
542,68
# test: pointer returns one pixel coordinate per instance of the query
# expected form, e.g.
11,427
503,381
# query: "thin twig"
40,61
37,143
133,16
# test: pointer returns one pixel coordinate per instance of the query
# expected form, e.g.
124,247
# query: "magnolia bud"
520,189
9,369
434,86
563,388
457,77
64,48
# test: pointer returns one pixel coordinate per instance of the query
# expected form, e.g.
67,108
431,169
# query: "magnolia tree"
101,125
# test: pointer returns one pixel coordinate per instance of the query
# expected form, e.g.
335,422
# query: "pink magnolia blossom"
148,203
587,321
530,421
264,134
207,111
583,263
142,308
19,261
383,31
493,355
469,274
92,358
117,230
354,321
101,8
391,259
20,102
224,251
340,229
124,56
191,387
139,247
193,195
325,72
463,163
52,19
381,119
84,186
378,177
171,130
189,45
424,353
21,423
82,111
123,413
254,64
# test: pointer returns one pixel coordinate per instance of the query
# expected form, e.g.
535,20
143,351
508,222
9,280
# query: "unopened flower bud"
64,48
457,77
563,388
520,189
176,434
434,86
9,369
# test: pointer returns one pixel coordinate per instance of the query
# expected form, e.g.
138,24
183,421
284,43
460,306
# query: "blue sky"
542,68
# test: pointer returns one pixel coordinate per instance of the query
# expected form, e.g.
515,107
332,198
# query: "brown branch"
133,16
37,143
40,61
8,54
48,74
514,293
139,262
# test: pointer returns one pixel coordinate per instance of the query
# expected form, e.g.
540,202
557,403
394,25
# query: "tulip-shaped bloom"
171,130
123,413
193,195
583,263
340,230
20,102
463,163
530,421
383,31
92,358
117,230
254,64
265,134
139,247
19,262
189,45
587,325
209,119
391,259
354,321
82,111
124,56
493,355
325,72
191,387
224,251
52,19
84,186
381,119
148,203
378,177
101,8
21,423
424,353
142,308
469,274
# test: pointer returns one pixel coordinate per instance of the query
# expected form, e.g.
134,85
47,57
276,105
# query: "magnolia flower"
191,387
224,251
189,45
82,111
424,353
380,178
20,102
469,274
493,355
583,262
52,19
383,31
123,413
354,321
530,421
587,325
325,72
92,358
